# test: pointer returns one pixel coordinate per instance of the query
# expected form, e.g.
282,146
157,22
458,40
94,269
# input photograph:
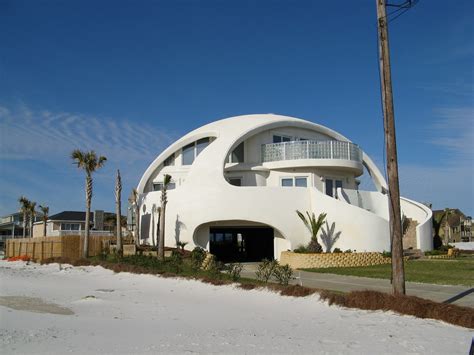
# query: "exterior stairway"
413,254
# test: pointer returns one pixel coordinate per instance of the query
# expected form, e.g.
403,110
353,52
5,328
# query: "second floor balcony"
296,150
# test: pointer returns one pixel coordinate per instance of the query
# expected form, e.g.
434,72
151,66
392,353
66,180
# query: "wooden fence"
48,247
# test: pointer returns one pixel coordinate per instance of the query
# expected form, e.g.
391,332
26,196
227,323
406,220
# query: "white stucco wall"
203,195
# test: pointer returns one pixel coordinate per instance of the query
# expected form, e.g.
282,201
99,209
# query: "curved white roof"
231,130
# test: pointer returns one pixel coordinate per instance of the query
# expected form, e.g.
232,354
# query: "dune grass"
443,271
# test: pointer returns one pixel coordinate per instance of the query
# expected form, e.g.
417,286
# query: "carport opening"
243,244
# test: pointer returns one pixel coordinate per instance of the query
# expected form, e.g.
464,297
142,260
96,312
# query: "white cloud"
45,135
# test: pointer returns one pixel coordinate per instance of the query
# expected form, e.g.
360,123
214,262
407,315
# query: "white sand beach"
91,310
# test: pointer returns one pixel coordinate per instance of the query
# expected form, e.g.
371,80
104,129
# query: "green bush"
265,270
386,254
176,261
283,274
301,249
234,271
215,269
348,251
337,251
197,257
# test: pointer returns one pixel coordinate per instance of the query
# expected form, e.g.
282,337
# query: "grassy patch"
443,272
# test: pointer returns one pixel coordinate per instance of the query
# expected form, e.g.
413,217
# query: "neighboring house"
237,183
74,222
456,228
11,226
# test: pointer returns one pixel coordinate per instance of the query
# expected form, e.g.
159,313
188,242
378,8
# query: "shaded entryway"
243,243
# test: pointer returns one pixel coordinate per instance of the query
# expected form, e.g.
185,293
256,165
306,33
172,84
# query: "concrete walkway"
438,293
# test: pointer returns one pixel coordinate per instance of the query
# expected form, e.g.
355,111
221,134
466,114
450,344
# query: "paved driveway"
438,293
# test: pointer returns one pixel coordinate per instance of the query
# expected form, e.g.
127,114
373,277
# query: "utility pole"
398,272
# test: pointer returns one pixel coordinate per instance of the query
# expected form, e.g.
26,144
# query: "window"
237,155
191,151
158,186
287,182
235,181
280,139
70,226
301,182
188,154
297,181
331,186
169,161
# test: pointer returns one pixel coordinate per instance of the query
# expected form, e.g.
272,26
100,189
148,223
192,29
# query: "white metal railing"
311,150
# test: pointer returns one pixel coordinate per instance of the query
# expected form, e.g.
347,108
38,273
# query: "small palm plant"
328,236
45,212
133,200
89,162
313,225
32,215
164,201
118,202
25,210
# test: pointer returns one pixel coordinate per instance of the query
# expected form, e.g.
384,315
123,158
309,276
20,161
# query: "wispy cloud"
35,148
45,135
454,130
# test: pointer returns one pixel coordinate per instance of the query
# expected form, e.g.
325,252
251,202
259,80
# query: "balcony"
297,150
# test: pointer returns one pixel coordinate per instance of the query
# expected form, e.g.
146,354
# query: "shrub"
301,249
181,245
283,274
197,257
314,246
234,271
386,254
437,242
337,250
176,261
265,270
215,268
348,251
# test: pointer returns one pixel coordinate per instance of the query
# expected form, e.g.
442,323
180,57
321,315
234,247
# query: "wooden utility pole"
398,272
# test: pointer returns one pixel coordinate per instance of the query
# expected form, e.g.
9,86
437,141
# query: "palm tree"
32,215
118,201
45,212
89,162
437,223
24,209
313,225
133,200
164,201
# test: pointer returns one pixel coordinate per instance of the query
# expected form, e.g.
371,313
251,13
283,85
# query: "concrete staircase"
207,261
413,254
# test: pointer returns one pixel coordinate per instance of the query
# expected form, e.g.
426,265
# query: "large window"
297,181
70,226
169,161
191,151
280,139
237,155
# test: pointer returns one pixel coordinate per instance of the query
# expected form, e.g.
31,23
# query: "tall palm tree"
164,201
24,209
134,201
118,201
89,162
313,225
45,212
32,216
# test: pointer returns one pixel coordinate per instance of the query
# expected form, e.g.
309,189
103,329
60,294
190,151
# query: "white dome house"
237,183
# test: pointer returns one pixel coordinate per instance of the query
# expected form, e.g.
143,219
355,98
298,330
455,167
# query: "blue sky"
126,78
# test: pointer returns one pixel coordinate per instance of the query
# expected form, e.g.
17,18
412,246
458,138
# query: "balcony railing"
311,150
